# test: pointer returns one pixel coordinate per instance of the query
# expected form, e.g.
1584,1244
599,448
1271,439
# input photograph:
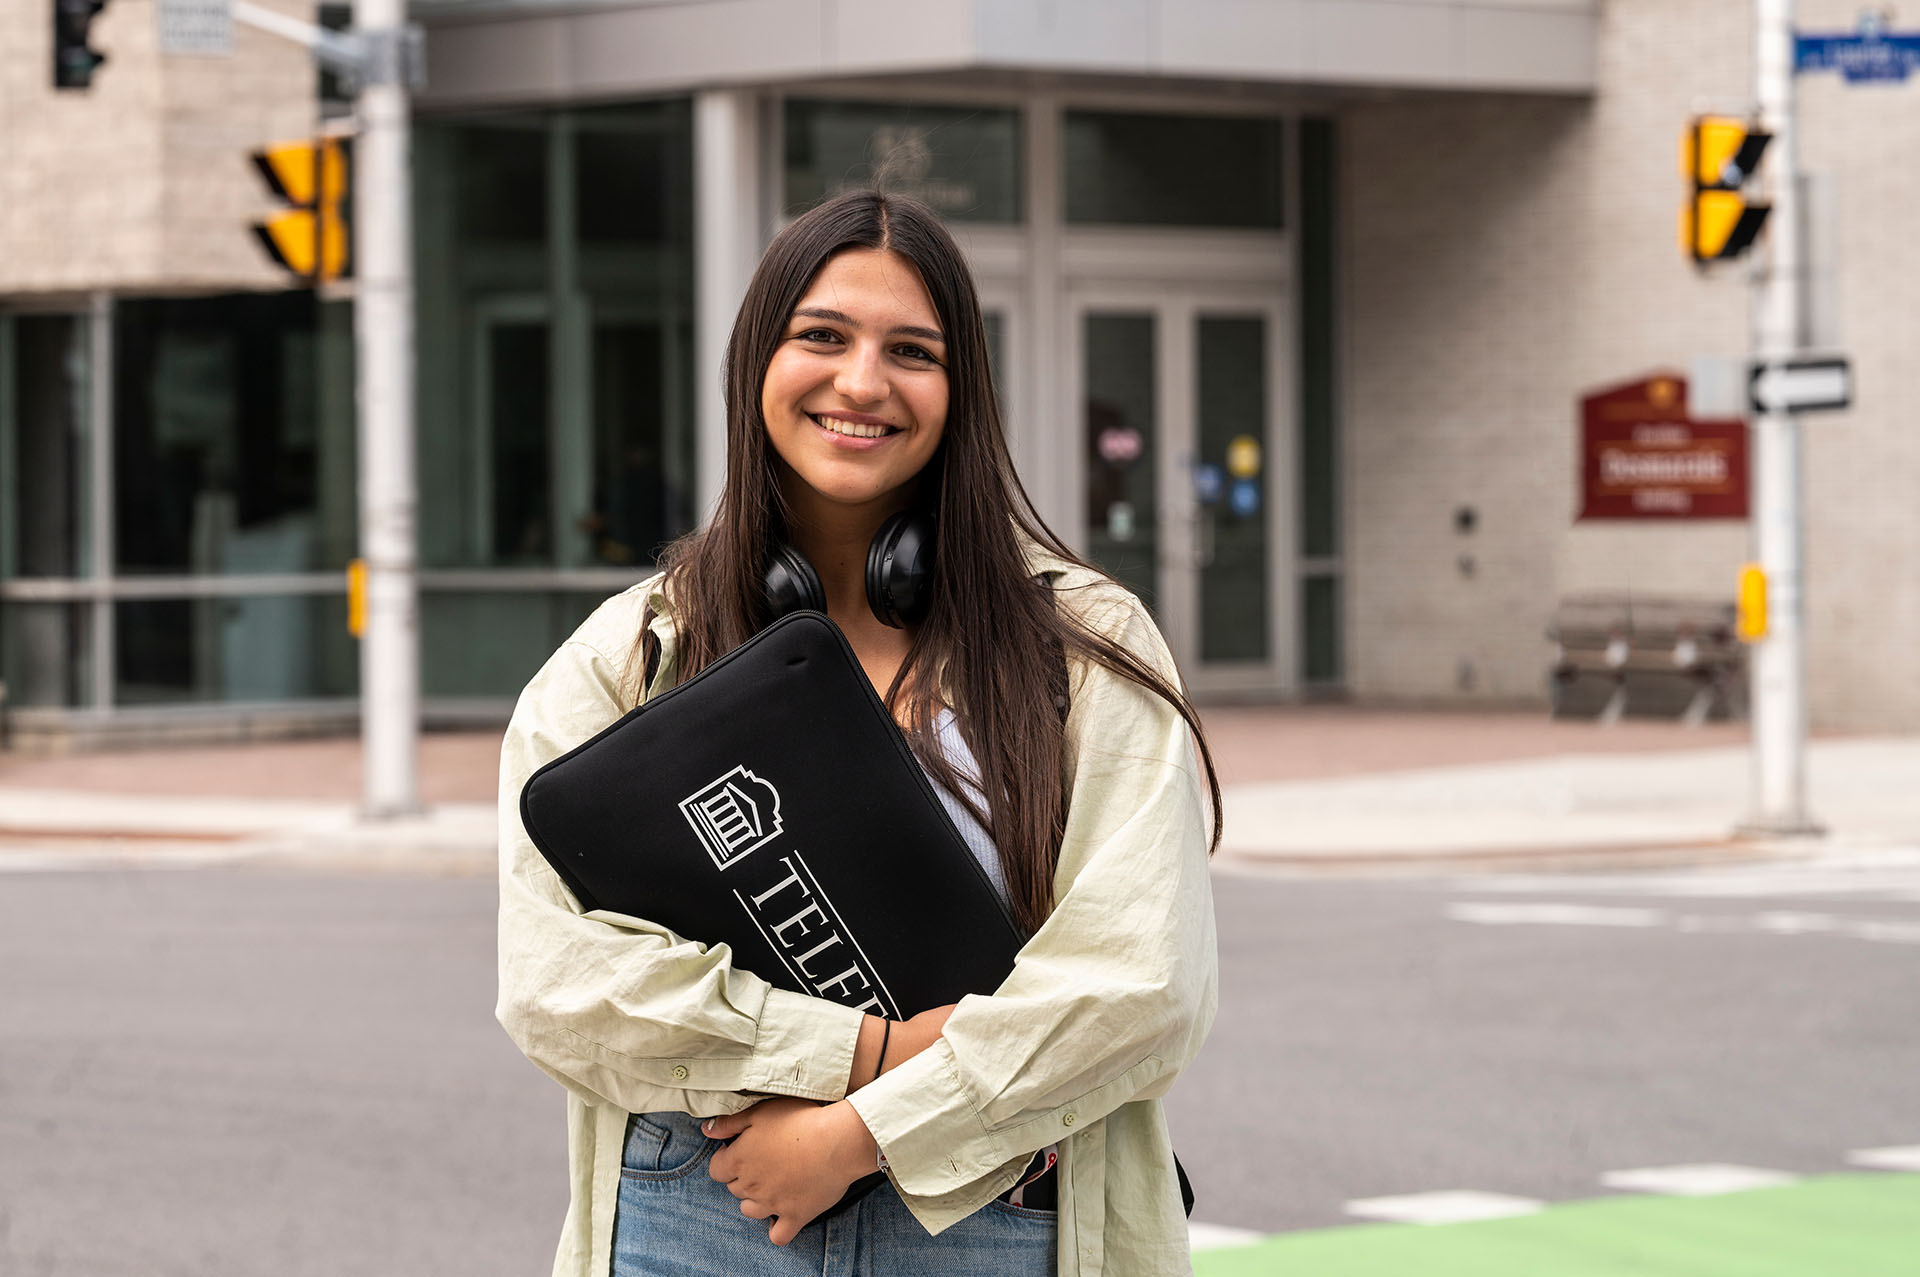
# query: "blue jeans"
674,1220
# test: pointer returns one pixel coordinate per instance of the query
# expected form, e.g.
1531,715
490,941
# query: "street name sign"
195,27
1871,55
1800,385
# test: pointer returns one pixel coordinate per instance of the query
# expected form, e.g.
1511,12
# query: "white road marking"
1219,1236
1891,873
1493,914
1707,1180
1906,1158
1456,1207
1779,922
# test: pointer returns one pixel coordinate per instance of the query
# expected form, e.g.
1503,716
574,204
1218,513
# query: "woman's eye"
918,354
817,336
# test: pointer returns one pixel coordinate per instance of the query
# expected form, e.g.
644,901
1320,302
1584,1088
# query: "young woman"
1019,1131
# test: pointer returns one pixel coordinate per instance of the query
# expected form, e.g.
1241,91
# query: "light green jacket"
1107,1002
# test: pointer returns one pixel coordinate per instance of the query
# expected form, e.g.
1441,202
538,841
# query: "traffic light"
311,238
1717,156
73,62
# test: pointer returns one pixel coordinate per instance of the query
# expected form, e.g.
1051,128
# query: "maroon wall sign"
1641,458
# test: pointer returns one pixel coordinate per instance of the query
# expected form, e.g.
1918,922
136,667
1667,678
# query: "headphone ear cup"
792,584
900,569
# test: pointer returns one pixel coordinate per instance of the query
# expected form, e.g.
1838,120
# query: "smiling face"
855,396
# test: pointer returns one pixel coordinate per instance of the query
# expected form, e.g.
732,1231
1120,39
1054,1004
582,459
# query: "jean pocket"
663,1146
1021,1212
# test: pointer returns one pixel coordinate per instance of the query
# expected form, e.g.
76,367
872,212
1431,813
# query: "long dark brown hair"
992,636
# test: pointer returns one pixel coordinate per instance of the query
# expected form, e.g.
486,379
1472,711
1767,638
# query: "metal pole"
383,332
1779,663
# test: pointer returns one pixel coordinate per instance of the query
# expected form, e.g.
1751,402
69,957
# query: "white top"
967,768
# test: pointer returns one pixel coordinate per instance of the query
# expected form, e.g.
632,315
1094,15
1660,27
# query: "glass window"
246,649
632,171
1173,170
1319,423
995,322
1320,628
1233,429
963,161
500,173
518,476
1122,434
226,431
46,652
556,344
643,489
487,645
44,446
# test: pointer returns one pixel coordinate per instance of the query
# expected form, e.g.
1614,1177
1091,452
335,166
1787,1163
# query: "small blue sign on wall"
1871,55
1209,483
1245,497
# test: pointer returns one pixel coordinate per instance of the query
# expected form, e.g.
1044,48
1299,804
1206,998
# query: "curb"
1675,854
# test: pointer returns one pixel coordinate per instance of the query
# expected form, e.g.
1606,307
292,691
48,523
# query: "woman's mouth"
853,429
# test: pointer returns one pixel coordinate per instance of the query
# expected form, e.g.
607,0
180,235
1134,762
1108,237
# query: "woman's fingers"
752,1209
728,1125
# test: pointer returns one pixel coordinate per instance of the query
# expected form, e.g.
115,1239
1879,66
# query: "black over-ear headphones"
899,573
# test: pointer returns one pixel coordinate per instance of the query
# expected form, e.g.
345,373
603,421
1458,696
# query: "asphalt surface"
241,1070
1370,1044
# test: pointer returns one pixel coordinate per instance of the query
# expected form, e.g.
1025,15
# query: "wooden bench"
1650,656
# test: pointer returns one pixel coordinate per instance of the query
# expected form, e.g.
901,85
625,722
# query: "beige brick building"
1292,306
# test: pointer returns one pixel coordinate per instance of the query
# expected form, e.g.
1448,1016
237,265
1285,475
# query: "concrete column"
727,241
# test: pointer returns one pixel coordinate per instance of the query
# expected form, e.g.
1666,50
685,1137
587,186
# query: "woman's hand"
790,1159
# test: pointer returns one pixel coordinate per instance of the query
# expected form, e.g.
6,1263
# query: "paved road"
232,1071
1542,1039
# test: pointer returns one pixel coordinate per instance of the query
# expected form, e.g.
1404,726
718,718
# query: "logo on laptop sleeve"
734,815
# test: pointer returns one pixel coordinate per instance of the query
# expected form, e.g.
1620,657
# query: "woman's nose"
861,377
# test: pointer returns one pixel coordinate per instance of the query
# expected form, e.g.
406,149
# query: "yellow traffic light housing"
313,237
1718,154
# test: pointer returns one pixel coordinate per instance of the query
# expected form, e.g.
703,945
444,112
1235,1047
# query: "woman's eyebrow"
841,317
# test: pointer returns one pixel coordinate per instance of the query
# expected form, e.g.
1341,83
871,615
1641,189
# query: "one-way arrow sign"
1800,385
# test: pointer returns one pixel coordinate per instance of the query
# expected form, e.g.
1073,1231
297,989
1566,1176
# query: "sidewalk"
1307,789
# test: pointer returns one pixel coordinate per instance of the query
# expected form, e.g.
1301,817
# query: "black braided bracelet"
886,1033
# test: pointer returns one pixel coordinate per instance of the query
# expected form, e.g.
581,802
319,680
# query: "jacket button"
1068,1119
679,1072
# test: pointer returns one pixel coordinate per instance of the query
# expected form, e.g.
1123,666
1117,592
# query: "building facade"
1291,306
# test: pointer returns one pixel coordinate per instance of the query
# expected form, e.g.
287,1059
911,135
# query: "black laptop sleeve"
771,805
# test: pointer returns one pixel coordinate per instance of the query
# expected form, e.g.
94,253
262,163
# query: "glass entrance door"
1184,477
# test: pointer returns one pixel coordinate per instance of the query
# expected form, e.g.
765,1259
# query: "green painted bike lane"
1832,1226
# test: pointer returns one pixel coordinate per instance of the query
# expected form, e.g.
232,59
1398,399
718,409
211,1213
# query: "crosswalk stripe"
1202,1236
1451,1207
1704,1180
1550,914
1888,873
1905,1158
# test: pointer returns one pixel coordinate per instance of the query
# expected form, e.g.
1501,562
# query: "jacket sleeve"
1114,994
618,1010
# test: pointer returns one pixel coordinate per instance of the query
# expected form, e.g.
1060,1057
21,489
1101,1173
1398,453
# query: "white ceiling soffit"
501,51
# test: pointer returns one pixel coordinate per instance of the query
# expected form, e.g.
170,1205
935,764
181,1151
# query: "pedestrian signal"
1752,618
312,238
74,61
1718,154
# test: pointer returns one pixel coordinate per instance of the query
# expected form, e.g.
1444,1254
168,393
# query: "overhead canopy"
500,51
